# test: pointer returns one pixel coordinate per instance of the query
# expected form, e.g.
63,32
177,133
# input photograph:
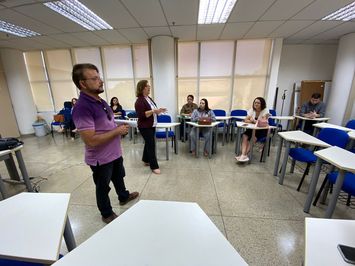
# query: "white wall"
19,88
303,62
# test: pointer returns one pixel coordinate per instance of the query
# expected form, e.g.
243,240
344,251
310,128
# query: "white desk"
133,124
182,119
304,119
254,128
342,159
225,120
167,126
322,237
197,126
328,125
296,137
236,118
32,226
280,118
158,233
352,134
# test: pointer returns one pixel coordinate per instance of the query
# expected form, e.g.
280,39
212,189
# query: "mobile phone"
348,253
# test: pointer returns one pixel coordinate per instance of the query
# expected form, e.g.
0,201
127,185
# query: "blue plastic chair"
348,185
350,124
162,134
332,136
219,112
237,112
272,121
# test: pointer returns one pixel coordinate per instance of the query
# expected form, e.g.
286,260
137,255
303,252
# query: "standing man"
186,110
94,120
314,108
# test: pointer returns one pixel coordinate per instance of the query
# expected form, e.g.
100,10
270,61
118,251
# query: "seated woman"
202,111
117,109
258,112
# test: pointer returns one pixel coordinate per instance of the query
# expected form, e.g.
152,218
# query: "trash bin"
40,129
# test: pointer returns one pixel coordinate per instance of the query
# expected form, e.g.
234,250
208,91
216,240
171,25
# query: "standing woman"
202,111
258,112
117,108
147,112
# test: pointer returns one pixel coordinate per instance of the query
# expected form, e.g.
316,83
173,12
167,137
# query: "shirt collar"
89,98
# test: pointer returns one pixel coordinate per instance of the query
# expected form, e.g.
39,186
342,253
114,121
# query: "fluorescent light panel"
215,11
345,14
16,30
79,13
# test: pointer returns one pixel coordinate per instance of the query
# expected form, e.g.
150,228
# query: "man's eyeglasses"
109,117
94,79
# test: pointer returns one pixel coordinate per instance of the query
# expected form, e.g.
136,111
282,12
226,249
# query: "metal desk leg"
232,129
167,144
11,168
313,185
278,155
251,145
177,138
237,142
266,148
197,142
293,166
2,188
23,170
314,131
284,163
224,132
303,124
184,129
68,236
335,195
211,138
288,125
215,129
134,135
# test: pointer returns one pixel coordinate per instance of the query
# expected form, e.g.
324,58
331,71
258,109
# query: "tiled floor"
263,220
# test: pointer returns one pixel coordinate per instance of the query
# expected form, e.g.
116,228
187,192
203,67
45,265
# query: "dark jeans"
103,174
149,155
72,127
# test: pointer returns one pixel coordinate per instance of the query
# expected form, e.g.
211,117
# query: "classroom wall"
303,62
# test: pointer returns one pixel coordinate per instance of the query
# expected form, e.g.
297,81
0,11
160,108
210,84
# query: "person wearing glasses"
94,120
147,112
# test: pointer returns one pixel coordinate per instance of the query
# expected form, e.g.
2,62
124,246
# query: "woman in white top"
258,112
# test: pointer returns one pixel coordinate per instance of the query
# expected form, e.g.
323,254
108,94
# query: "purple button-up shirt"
92,114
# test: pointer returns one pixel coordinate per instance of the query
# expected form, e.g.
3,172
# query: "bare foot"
156,171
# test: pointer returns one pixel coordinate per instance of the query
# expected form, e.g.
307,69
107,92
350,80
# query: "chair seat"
302,155
162,134
349,181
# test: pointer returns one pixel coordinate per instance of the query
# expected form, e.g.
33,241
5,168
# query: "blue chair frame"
162,134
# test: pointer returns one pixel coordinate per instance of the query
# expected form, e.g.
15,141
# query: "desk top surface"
278,117
156,233
165,125
223,117
322,237
301,137
5,152
32,226
352,134
328,125
339,157
195,124
252,126
313,119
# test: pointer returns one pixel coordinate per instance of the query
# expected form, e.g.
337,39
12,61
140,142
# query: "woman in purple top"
147,112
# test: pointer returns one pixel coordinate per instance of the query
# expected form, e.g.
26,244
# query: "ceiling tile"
112,36
209,32
320,8
315,29
321,41
155,31
184,33
26,44
48,41
14,3
236,30
70,39
249,10
182,12
113,12
5,44
149,14
337,32
91,38
284,9
262,29
290,27
136,35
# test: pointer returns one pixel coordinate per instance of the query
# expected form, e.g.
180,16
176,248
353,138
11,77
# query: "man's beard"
100,90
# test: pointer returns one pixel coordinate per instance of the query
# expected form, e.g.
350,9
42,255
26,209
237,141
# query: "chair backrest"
334,137
351,124
164,119
67,105
219,112
272,121
238,112
132,115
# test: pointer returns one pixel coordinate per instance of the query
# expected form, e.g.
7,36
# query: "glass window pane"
62,91
124,91
252,57
186,87
41,96
88,55
187,60
141,61
216,59
246,89
59,64
118,62
217,92
34,65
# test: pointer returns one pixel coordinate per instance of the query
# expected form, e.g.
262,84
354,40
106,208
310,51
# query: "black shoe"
131,196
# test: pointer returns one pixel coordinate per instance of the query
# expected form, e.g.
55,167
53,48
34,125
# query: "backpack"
9,143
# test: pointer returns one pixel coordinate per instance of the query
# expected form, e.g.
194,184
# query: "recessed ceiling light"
345,13
16,30
215,11
77,12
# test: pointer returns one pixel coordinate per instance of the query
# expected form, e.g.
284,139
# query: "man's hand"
122,129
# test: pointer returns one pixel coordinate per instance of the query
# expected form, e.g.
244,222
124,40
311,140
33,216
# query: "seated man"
187,110
314,108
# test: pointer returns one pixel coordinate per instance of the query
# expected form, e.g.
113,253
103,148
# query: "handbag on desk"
263,122
204,121
9,143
